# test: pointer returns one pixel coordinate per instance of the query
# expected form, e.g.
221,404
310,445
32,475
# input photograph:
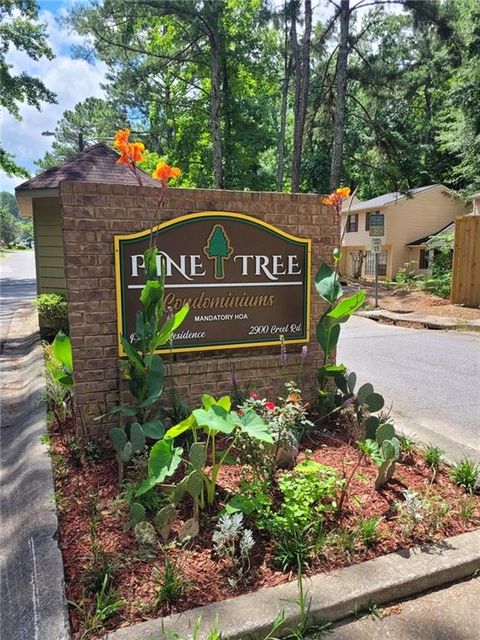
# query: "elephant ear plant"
327,283
143,368
215,418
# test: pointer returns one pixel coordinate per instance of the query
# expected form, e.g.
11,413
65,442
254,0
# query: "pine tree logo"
218,248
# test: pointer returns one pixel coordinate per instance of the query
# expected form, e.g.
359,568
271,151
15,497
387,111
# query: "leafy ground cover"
150,579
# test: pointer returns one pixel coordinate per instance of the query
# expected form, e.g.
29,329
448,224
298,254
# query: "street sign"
376,224
376,245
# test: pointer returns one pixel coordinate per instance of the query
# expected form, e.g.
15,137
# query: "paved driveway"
432,378
17,285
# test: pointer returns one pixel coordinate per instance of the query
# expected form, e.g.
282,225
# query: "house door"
370,263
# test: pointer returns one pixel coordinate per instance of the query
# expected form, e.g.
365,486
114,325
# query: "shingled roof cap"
97,163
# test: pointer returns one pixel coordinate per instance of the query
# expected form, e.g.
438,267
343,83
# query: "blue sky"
72,81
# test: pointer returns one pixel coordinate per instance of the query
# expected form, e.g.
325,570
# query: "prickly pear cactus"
137,437
189,530
164,521
145,534
389,451
137,514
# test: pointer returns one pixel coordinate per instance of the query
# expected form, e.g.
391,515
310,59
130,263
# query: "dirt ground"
418,302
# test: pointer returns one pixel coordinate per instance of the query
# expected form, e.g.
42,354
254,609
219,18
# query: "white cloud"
72,81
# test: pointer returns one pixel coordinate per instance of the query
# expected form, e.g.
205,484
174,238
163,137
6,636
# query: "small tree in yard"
9,227
440,280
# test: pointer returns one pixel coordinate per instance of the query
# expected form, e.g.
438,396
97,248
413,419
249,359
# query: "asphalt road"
17,285
431,378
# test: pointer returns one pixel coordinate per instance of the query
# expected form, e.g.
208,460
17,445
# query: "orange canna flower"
132,153
121,139
293,397
344,192
135,151
164,172
335,198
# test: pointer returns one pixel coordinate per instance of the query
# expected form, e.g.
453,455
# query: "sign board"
376,224
376,245
246,282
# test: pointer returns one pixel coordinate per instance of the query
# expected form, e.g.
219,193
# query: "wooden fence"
466,262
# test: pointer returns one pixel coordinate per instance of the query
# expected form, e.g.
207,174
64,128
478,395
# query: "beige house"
410,219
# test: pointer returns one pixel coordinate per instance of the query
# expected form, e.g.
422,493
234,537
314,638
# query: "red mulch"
135,575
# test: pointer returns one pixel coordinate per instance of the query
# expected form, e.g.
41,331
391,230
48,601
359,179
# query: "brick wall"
92,214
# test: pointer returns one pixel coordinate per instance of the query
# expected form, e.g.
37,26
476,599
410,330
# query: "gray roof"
390,198
97,163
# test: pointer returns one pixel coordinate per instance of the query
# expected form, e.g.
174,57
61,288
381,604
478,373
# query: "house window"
370,263
352,223
423,260
367,219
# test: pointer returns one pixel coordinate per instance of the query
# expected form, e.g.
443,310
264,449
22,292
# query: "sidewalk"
31,589
451,613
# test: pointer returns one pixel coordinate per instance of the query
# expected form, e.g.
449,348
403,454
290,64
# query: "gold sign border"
193,216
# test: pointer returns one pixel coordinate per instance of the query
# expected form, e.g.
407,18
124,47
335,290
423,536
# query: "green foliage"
385,451
440,286
9,202
9,227
143,369
408,276
465,474
21,31
172,584
408,445
368,531
368,610
308,493
231,540
327,283
53,312
433,456
90,121
440,280
411,511
62,351
213,418
107,603
468,509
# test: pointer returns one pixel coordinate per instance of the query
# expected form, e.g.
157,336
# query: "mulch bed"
87,493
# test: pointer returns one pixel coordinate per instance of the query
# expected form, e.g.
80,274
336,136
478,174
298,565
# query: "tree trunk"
228,148
302,85
339,124
287,62
216,99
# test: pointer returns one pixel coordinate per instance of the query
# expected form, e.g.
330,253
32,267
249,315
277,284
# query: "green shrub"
465,474
52,314
408,276
440,285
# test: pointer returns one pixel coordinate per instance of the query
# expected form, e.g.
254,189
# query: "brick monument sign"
93,214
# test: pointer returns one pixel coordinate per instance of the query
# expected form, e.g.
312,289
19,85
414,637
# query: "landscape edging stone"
332,596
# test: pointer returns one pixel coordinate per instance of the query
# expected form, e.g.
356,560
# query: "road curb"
332,596
428,322
32,586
